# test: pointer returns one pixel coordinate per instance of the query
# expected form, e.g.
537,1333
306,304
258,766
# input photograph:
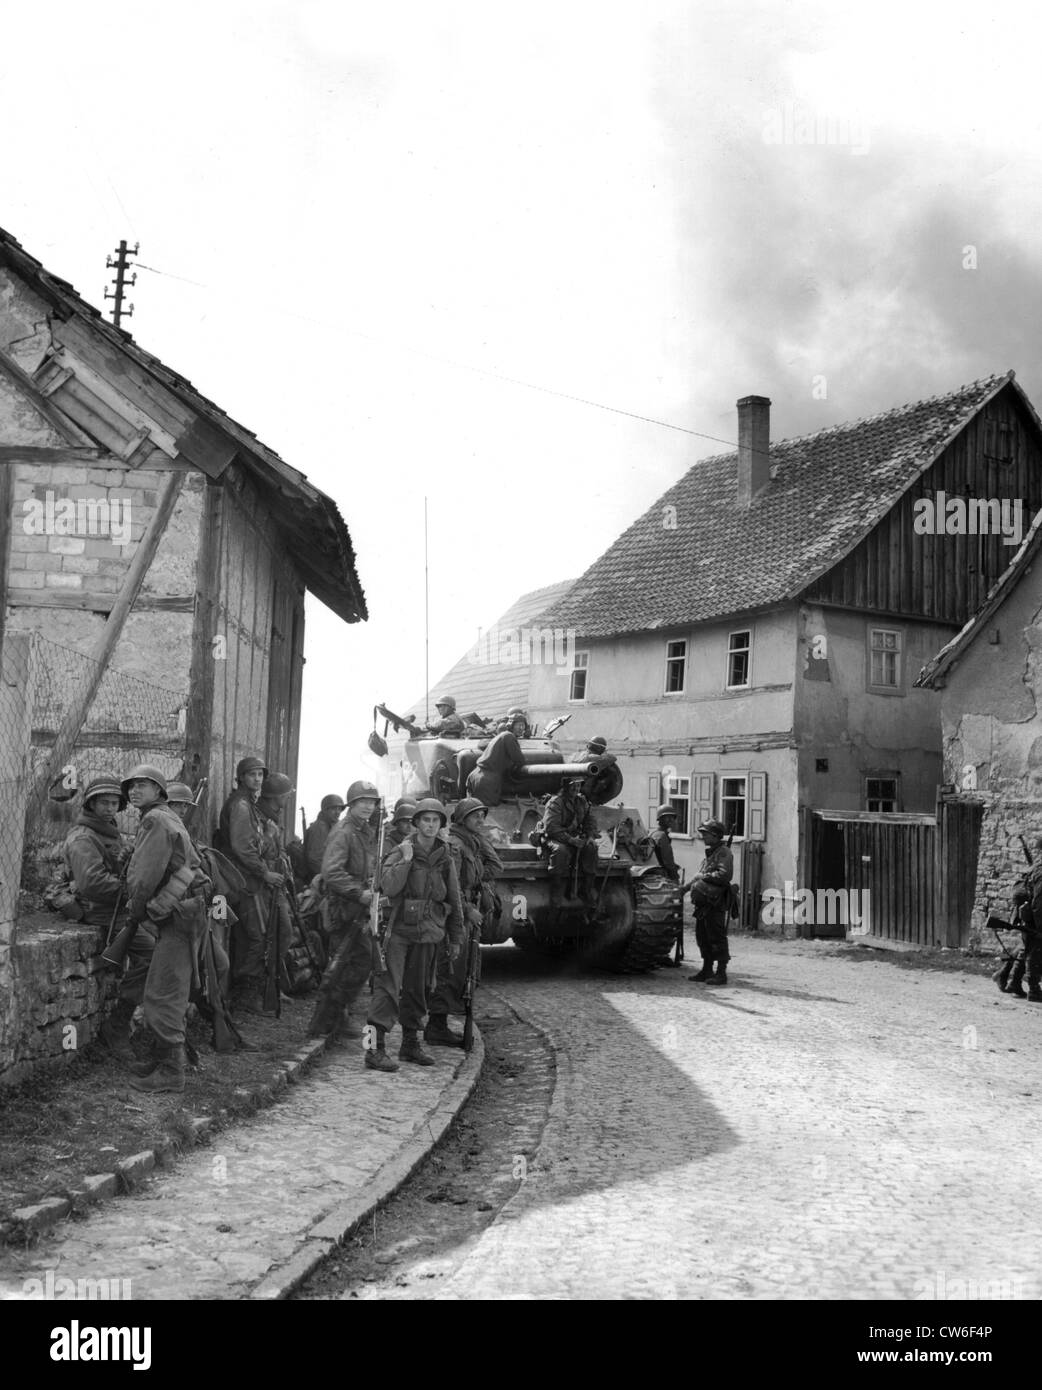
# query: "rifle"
115,951
298,923
1027,852
303,823
226,1037
470,984
272,998
398,721
374,906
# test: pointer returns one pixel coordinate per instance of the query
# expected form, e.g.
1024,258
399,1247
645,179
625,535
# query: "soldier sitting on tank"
570,832
448,724
596,748
495,774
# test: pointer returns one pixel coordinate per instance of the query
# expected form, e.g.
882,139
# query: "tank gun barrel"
563,770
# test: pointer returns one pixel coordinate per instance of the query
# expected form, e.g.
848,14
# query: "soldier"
477,864
710,892
449,724
516,723
242,839
399,827
94,859
594,749
317,833
1029,961
422,887
271,804
661,843
495,773
569,827
166,888
348,867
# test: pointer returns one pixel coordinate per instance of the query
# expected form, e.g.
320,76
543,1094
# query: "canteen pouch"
412,911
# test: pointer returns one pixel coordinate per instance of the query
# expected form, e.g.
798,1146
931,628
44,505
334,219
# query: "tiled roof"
489,688
826,492
314,530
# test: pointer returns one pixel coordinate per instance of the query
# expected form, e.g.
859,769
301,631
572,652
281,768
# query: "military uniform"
493,777
425,887
662,845
477,864
1032,963
710,893
570,829
348,867
242,840
166,888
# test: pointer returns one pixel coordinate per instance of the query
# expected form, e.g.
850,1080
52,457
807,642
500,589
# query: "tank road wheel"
655,923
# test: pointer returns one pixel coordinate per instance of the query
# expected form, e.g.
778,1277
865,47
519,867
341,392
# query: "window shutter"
654,798
703,791
756,807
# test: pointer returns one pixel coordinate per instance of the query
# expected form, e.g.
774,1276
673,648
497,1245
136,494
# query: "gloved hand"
452,951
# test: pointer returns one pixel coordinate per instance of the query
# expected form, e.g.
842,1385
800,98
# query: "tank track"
654,926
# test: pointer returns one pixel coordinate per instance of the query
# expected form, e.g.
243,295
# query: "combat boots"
1017,990
704,975
114,1034
169,1074
1035,994
440,1034
378,1060
324,1019
1001,976
411,1050
720,978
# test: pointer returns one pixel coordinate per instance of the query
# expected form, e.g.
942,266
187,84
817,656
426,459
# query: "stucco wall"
992,732
859,732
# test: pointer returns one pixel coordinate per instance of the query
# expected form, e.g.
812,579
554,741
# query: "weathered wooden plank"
100,603
199,712
27,453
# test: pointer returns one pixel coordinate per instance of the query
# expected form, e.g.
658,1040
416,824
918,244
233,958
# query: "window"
881,793
677,791
738,645
732,805
676,664
577,688
884,655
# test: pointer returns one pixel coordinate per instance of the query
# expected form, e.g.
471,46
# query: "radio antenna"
426,623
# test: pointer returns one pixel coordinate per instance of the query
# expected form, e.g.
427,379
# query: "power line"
466,366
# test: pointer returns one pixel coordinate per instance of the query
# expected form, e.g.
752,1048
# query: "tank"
640,909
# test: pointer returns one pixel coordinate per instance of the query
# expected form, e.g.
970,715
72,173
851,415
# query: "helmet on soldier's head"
467,807
142,771
362,791
180,791
249,765
276,784
517,713
332,802
666,810
430,803
104,784
713,827
446,701
598,745
404,808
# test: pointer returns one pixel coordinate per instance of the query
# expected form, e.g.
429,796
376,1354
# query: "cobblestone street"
825,1129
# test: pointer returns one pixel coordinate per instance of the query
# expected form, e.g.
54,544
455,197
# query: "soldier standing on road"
661,843
94,858
1032,935
711,894
477,864
422,887
348,868
242,840
317,833
569,828
166,888
271,804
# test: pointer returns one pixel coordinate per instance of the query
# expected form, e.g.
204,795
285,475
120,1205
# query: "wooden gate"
919,871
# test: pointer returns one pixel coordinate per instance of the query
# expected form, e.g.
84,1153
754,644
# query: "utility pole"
121,282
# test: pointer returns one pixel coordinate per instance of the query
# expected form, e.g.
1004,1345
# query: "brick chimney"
754,444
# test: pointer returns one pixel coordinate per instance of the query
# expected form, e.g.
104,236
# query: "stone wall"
59,995
1001,861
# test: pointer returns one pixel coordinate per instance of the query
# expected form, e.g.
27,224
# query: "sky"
365,226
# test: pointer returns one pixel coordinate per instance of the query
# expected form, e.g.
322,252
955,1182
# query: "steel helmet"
464,808
598,744
358,791
404,808
713,827
249,765
276,784
332,802
430,803
446,700
145,770
104,784
666,810
517,713
180,791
